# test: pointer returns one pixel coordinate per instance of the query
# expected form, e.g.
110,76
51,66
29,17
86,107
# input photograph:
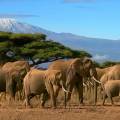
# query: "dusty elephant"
112,74
111,89
38,82
102,71
74,70
13,73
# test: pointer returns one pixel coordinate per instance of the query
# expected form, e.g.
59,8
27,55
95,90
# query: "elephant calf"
38,82
111,89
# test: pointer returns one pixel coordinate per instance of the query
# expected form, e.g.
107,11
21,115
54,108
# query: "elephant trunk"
65,91
93,74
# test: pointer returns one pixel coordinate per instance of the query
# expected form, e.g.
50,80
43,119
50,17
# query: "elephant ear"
53,76
72,71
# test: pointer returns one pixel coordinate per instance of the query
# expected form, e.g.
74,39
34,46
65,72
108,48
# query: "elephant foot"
113,104
54,107
82,104
103,104
42,103
29,106
42,106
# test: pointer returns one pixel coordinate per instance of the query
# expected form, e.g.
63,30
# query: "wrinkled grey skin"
111,89
45,82
12,74
74,70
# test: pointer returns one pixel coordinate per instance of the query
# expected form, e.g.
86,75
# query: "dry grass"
17,111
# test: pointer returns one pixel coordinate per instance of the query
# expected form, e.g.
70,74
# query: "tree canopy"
33,47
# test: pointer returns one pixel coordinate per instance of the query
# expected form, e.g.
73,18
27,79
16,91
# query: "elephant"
74,70
102,71
112,74
111,89
45,82
12,74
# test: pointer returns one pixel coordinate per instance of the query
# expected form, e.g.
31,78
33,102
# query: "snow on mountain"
11,25
101,49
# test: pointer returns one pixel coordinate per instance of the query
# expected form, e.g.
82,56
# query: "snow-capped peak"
7,20
11,25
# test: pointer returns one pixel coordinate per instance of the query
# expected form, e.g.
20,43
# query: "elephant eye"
86,61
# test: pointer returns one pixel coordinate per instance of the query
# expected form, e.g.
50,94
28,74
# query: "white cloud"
17,15
100,57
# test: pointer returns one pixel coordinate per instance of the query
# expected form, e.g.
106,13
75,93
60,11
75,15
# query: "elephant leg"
2,95
70,88
50,90
56,90
27,100
111,100
11,90
44,98
11,96
104,98
79,87
20,95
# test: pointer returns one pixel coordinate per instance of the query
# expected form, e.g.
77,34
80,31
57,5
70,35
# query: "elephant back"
20,64
58,65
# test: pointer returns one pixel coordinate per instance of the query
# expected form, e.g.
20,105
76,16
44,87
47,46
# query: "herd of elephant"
61,74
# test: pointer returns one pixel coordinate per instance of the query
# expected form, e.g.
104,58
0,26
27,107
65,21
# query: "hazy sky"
92,18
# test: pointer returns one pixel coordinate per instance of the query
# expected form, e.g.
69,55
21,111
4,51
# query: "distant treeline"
106,64
33,47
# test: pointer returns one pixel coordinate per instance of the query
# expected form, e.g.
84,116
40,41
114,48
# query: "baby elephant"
38,82
111,89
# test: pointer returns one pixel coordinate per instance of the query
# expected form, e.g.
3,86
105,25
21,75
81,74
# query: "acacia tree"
33,47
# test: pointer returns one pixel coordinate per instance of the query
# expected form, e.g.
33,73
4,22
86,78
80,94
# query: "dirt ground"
17,111
73,112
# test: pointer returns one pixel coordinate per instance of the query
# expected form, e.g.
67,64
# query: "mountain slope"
101,49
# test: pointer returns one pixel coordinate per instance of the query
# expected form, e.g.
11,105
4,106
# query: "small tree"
33,47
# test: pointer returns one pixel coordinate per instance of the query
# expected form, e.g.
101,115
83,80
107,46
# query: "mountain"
101,49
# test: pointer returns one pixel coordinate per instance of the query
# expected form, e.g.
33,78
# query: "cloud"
100,57
17,15
77,1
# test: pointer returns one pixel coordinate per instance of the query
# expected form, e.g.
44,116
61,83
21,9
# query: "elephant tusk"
65,90
84,85
96,80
